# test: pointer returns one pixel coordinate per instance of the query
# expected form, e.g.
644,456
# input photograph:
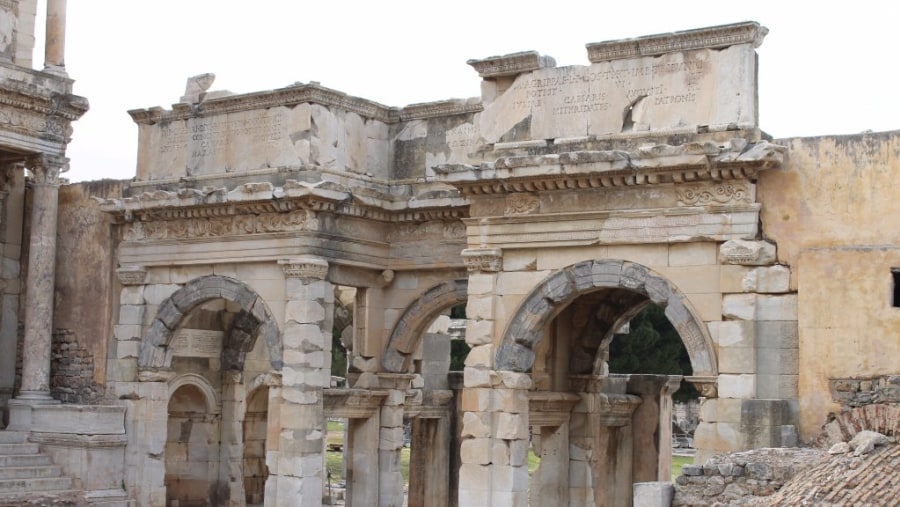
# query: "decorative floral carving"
521,204
489,260
724,193
298,220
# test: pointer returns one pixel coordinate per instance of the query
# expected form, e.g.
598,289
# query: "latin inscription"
462,136
576,90
197,343
206,136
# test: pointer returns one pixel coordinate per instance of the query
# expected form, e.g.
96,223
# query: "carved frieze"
295,221
736,192
433,229
521,204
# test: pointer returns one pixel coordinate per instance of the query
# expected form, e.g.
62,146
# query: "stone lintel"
550,408
511,64
353,403
487,260
305,266
714,37
615,409
707,385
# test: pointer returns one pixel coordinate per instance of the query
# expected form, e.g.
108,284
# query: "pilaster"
298,475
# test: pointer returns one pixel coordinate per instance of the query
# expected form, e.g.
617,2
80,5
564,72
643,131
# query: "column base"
56,70
20,416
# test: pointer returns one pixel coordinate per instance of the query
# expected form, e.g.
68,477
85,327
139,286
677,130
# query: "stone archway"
416,319
254,319
557,291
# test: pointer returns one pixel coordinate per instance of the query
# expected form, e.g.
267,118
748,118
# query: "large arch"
254,319
551,296
416,319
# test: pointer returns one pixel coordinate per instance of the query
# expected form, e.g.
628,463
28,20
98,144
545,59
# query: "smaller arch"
417,317
198,381
560,288
255,319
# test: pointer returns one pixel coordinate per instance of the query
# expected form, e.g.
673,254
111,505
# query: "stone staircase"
27,477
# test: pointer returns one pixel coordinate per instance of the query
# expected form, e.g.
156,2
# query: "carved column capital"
305,267
132,275
47,168
488,260
706,385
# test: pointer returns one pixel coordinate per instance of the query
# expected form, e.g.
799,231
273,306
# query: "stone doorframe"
417,317
558,290
255,319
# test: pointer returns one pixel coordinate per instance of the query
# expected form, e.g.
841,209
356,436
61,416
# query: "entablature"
649,165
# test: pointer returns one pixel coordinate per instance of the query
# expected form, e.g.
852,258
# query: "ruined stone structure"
555,207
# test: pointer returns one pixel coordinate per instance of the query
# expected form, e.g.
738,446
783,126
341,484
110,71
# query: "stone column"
55,43
40,281
298,465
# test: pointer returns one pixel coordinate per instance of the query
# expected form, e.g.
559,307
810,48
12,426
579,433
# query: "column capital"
132,275
706,385
305,267
488,260
47,168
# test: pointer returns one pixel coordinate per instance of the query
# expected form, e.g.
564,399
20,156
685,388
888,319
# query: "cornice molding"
282,97
714,37
691,162
511,64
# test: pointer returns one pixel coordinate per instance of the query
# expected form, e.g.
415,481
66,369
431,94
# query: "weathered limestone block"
477,451
653,494
760,307
737,386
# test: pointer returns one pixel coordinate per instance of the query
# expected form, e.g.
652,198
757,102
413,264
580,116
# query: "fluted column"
41,273
55,42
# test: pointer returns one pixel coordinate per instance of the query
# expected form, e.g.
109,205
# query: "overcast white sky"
823,70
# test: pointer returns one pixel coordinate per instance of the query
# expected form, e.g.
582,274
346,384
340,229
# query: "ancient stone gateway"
555,208
267,234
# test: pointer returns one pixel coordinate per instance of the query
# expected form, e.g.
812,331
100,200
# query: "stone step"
24,460
58,498
35,485
13,437
32,472
7,449
108,498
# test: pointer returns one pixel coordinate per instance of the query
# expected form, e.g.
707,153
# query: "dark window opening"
895,273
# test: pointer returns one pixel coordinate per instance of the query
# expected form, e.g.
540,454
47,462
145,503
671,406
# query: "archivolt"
558,290
254,319
416,319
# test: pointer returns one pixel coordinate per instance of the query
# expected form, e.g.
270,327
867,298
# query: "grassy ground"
678,462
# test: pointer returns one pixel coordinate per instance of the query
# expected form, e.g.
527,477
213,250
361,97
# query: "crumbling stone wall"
72,370
742,478
859,392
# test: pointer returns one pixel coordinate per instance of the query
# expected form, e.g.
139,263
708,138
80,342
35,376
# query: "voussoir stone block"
514,357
